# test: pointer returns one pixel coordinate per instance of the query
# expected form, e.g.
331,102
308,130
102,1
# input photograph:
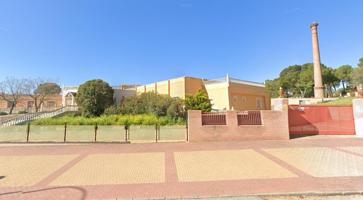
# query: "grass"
111,120
340,101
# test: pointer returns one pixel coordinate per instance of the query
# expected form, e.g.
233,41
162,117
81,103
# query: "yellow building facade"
225,93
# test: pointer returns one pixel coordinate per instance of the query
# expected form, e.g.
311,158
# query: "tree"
289,78
305,83
358,73
93,97
11,89
297,80
152,103
273,87
330,80
344,73
199,101
176,109
38,90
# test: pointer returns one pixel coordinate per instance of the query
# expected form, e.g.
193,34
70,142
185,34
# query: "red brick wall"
23,103
274,127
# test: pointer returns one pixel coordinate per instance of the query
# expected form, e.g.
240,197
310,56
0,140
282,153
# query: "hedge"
143,119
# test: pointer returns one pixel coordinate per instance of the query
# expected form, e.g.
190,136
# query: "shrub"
176,109
113,110
3,113
94,97
199,101
144,119
22,112
150,103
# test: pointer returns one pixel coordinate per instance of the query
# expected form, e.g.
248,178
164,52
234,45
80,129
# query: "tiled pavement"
109,171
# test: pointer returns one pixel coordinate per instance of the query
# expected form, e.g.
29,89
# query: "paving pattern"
29,170
321,161
357,150
110,171
126,168
226,165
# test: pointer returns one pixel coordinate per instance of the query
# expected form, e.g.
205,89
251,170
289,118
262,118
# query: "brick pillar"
358,116
318,80
231,117
194,122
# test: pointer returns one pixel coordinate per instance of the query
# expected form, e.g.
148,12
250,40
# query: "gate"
321,120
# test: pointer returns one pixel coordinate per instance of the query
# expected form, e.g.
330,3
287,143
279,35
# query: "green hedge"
111,120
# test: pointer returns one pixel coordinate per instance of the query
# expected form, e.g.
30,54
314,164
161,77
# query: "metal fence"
214,119
92,133
249,118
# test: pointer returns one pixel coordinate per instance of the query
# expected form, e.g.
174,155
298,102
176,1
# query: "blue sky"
141,41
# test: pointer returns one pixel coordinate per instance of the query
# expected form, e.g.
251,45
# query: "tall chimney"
318,80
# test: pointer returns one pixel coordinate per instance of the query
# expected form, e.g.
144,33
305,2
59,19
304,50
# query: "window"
10,104
259,103
238,99
30,104
51,104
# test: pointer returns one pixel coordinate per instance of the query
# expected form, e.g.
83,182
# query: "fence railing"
32,116
243,118
93,133
214,119
249,118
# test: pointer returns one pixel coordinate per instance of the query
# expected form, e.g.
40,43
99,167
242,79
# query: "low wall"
358,116
274,127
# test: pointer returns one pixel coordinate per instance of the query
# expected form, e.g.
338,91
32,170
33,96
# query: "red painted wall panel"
321,120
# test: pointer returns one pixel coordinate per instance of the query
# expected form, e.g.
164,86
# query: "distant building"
69,94
27,104
225,93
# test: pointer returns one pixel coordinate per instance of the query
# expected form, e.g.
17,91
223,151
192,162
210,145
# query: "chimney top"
314,24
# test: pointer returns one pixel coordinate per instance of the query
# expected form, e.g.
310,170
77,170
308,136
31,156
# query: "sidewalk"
173,170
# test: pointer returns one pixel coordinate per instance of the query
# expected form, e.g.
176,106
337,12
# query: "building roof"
232,80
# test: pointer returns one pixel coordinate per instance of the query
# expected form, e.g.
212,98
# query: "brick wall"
274,127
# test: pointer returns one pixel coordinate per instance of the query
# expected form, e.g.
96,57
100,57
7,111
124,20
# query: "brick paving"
110,171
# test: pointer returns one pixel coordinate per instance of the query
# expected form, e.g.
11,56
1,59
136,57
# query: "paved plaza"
173,170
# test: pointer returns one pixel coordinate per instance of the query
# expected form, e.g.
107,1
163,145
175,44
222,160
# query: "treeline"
298,80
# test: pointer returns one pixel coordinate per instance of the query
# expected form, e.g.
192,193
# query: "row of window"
243,99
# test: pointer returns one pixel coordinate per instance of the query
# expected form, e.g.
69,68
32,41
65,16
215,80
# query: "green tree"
330,80
344,73
152,103
199,101
358,73
93,97
298,81
176,109
273,87
305,83
289,78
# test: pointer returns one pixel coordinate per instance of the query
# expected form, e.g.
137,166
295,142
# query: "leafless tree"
39,89
11,89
